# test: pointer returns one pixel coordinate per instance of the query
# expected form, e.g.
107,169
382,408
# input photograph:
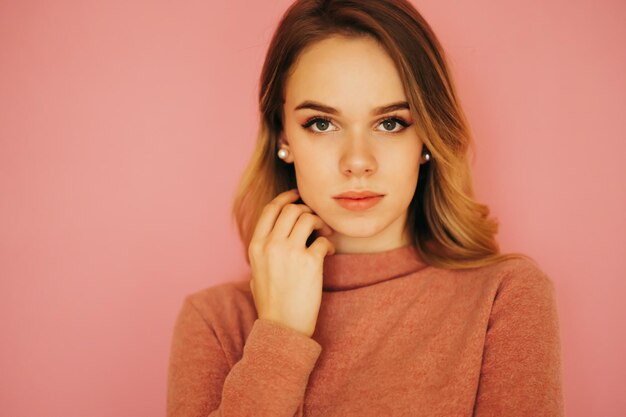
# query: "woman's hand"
286,279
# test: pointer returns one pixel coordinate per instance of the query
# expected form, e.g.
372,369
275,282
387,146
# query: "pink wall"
118,120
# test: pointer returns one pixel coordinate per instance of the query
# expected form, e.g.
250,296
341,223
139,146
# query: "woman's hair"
448,227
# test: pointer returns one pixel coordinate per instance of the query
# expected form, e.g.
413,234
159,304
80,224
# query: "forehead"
345,72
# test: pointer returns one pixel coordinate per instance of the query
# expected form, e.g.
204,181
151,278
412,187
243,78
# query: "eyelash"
314,119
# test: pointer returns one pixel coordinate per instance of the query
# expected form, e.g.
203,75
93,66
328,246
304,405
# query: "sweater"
394,337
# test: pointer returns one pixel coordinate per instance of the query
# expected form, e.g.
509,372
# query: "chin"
357,227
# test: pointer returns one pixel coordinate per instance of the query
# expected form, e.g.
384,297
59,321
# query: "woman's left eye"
393,122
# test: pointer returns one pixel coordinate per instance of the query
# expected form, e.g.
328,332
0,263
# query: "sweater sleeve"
269,380
521,369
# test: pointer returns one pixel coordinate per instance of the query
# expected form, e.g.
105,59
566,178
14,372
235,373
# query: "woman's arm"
521,370
269,380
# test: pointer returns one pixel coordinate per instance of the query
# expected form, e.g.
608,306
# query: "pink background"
124,127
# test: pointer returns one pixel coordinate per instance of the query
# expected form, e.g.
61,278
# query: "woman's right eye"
321,123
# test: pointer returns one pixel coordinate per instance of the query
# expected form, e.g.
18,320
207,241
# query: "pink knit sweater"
394,337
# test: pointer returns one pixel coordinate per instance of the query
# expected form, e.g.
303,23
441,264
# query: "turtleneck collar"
344,271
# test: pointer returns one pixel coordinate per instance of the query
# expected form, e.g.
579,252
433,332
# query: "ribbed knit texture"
394,337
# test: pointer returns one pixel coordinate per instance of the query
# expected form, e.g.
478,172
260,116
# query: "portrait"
312,208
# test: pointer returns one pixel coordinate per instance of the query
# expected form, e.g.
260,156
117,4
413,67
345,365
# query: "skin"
355,150
287,276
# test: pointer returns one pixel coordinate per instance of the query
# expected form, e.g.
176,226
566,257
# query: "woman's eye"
390,124
320,123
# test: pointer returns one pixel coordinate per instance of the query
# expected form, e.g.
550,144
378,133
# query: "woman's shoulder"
219,301
523,271
513,274
521,277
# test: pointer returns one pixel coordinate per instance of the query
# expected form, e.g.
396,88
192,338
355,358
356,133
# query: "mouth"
358,201
358,194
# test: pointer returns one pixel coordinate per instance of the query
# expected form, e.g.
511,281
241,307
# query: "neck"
348,271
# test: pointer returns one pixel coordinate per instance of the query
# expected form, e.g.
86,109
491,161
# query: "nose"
357,157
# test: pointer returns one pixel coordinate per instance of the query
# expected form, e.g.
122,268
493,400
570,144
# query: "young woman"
377,288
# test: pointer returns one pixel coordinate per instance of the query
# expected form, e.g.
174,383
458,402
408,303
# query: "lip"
358,194
358,201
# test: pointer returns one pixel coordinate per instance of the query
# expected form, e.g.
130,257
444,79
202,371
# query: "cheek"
310,178
307,171
405,160
312,162
405,172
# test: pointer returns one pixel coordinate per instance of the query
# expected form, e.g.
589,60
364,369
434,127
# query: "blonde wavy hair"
449,228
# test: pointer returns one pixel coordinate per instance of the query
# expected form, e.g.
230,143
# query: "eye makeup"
393,118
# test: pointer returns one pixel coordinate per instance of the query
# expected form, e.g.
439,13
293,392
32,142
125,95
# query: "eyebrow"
327,109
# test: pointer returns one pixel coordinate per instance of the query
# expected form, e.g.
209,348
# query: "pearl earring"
282,153
427,157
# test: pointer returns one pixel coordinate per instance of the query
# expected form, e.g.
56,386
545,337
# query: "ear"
283,144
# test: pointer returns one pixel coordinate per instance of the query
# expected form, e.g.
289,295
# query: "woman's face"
358,148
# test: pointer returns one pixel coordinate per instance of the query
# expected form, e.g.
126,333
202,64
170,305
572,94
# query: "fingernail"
295,190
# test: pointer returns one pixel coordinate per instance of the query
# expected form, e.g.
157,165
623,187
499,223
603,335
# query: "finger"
270,213
288,217
305,225
322,247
